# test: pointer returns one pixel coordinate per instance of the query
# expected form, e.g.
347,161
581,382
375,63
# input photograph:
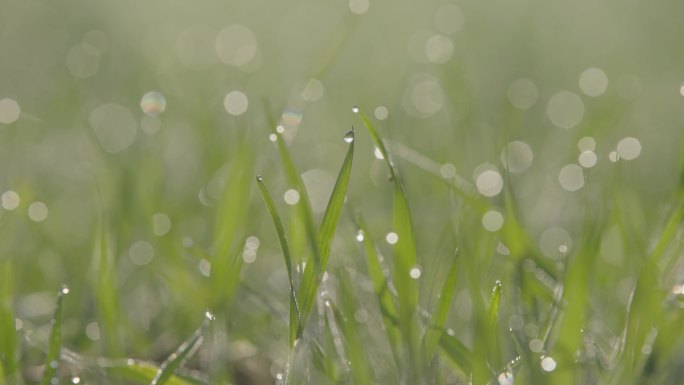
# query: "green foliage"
509,210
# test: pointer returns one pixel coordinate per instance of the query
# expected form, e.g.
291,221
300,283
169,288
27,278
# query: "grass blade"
404,254
439,316
184,351
8,335
105,290
295,316
326,233
142,372
305,214
55,342
232,211
361,372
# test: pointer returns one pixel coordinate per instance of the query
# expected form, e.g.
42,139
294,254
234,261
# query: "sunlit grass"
506,210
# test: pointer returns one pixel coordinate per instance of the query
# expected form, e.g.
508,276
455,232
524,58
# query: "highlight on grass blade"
142,372
184,352
295,315
55,342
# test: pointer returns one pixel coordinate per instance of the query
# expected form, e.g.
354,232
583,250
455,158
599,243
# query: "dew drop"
349,136
355,109
209,315
273,138
291,197
54,364
548,364
259,178
75,380
392,238
415,272
360,236
505,378
64,290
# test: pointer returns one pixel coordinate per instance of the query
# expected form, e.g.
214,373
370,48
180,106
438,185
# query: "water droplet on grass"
64,290
415,272
349,136
259,178
392,238
209,315
505,378
548,364
360,236
355,109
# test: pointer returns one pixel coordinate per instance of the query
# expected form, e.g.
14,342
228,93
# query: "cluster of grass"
185,266
379,320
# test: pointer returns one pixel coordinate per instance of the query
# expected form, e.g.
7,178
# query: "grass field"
351,192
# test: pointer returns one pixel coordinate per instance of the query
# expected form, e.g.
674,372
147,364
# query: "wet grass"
189,262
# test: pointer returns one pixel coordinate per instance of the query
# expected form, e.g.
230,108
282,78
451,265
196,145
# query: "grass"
275,245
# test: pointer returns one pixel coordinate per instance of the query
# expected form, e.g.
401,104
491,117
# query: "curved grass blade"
8,335
184,351
326,233
55,342
295,316
434,333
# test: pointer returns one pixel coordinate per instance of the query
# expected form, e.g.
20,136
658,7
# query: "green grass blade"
439,315
404,254
142,372
228,228
381,287
55,341
361,371
494,305
457,353
8,335
326,232
105,290
295,320
305,214
184,351
313,273
379,143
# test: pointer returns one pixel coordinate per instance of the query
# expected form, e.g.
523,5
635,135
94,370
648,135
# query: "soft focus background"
131,132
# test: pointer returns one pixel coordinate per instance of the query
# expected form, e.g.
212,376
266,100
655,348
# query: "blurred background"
131,132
